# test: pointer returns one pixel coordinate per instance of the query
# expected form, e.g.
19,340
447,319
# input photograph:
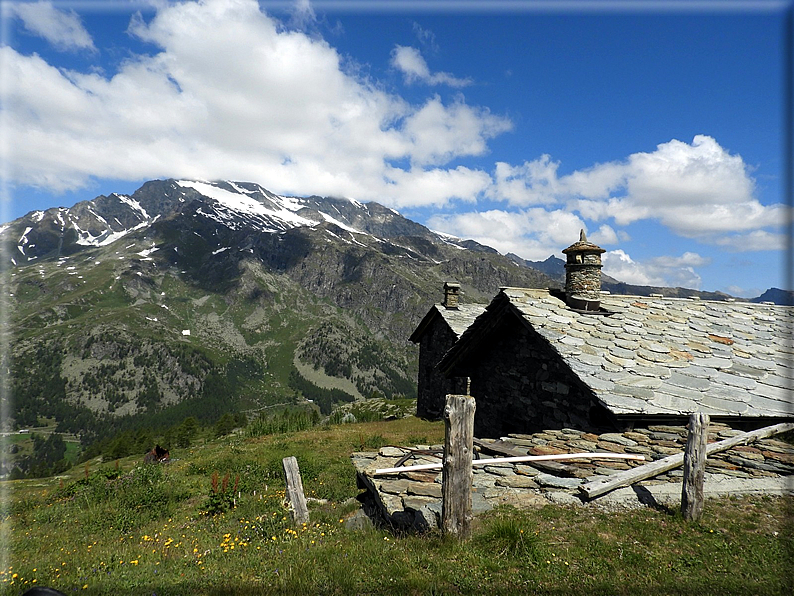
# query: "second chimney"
451,294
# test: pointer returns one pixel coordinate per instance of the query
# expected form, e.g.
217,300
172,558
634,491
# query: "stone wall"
521,386
433,387
412,500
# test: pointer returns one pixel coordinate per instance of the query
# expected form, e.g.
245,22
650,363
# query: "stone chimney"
583,274
451,294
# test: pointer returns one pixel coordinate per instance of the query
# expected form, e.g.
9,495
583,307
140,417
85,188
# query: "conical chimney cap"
583,245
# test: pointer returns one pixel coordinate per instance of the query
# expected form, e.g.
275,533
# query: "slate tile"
639,381
724,405
734,393
655,347
626,404
618,438
771,392
590,360
701,372
713,362
652,371
786,375
621,362
741,368
633,391
655,331
699,347
672,402
735,380
613,321
772,406
583,369
683,379
653,356
622,352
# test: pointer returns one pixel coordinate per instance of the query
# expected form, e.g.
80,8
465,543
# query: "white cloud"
438,132
435,186
604,236
658,271
756,240
697,190
235,94
532,183
303,15
62,29
410,62
532,234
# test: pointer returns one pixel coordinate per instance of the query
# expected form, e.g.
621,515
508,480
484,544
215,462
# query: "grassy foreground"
145,530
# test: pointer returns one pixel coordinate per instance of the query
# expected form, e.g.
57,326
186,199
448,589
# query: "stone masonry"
412,500
521,385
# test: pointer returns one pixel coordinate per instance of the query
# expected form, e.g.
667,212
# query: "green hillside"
214,522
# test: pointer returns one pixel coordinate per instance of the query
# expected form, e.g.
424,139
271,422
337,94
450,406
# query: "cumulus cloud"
232,93
658,271
533,233
755,241
605,235
698,190
410,62
438,132
63,29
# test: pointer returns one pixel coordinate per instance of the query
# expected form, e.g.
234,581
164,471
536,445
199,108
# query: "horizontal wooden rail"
626,477
513,460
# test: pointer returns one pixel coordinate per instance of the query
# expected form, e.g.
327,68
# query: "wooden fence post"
456,481
295,496
694,466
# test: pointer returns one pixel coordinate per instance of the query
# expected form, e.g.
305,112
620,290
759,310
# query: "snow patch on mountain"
278,215
340,224
85,238
133,204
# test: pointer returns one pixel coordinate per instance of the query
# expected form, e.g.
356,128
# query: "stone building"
539,359
439,330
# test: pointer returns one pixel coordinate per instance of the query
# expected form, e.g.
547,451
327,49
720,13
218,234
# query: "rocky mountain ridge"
195,297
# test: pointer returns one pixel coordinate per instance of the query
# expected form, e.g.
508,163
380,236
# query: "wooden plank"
515,460
626,477
456,513
692,497
297,500
509,449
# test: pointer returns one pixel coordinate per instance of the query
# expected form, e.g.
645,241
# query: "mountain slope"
195,298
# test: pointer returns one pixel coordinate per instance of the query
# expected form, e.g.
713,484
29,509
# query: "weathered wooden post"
297,500
457,477
694,466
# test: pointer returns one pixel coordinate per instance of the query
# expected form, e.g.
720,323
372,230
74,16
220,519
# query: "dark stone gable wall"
433,387
521,385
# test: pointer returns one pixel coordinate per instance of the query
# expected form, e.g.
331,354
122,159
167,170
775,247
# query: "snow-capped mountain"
234,205
198,298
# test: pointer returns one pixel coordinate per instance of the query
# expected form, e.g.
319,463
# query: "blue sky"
656,126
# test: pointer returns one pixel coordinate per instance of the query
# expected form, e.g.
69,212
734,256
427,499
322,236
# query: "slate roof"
667,356
458,319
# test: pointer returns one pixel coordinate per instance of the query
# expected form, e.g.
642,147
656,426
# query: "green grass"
142,530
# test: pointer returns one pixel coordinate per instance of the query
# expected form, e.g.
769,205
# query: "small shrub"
221,497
